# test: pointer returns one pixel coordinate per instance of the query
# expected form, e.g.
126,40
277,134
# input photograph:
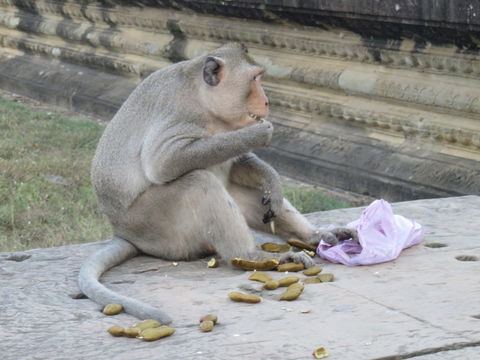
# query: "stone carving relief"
428,94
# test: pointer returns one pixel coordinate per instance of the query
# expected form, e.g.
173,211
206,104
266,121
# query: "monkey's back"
117,174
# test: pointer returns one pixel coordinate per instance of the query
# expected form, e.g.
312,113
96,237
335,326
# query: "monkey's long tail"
114,253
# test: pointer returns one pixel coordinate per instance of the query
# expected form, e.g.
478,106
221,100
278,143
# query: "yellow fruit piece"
320,353
309,253
301,245
287,281
147,324
293,292
326,277
116,330
112,309
264,265
271,285
206,326
242,297
312,280
291,267
260,276
275,248
210,317
152,334
312,271
132,332
213,263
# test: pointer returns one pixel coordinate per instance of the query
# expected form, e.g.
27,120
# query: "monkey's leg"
288,222
183,220
295,224
190,218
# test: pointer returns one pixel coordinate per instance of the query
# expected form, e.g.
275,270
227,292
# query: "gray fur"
115,252
175,174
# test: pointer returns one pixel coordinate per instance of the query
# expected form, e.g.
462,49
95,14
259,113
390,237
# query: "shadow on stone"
18,257
466,258
435,245
77,296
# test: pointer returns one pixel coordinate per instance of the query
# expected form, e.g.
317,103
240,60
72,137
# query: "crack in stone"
18,257
395,309
122,282
428,351
77,295
145,270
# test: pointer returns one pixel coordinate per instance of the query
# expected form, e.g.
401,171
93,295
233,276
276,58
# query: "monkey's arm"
249,170
166,160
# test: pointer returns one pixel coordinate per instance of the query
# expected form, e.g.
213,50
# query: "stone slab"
461,354
426,299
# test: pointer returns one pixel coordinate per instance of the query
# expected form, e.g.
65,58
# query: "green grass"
308,199
35,212
36,146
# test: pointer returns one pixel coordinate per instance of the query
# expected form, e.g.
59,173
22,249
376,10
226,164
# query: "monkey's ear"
212,70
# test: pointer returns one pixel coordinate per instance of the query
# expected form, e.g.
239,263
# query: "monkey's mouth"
256,117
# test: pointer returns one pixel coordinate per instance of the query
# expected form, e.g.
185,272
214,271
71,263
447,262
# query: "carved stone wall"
374,97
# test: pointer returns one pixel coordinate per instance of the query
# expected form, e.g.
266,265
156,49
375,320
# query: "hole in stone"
123,282
435,245
18,257
466,258
476,316
77,296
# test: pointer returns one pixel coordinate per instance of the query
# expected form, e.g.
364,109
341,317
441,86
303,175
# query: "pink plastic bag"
382,236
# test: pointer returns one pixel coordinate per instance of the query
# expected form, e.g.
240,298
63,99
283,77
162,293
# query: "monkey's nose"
266,103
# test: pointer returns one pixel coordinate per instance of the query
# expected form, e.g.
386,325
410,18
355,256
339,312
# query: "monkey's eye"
258,76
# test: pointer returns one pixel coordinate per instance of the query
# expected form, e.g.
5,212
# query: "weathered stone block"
375,97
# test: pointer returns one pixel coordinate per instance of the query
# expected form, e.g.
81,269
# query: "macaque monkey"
175,173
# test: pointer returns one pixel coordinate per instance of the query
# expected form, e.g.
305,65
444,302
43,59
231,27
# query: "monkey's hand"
262,132
249,170
272,197
333,236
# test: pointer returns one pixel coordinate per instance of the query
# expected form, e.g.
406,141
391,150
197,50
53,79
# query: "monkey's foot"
333,236
297,257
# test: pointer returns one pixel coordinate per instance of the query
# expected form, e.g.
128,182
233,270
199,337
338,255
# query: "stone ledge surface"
420,305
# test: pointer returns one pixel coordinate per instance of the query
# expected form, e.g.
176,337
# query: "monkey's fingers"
336,235
269,215
267,197
343,233
266,200
329,238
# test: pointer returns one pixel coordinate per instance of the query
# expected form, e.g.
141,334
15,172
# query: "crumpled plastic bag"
382,236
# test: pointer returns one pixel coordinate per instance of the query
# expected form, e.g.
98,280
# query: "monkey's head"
231,89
